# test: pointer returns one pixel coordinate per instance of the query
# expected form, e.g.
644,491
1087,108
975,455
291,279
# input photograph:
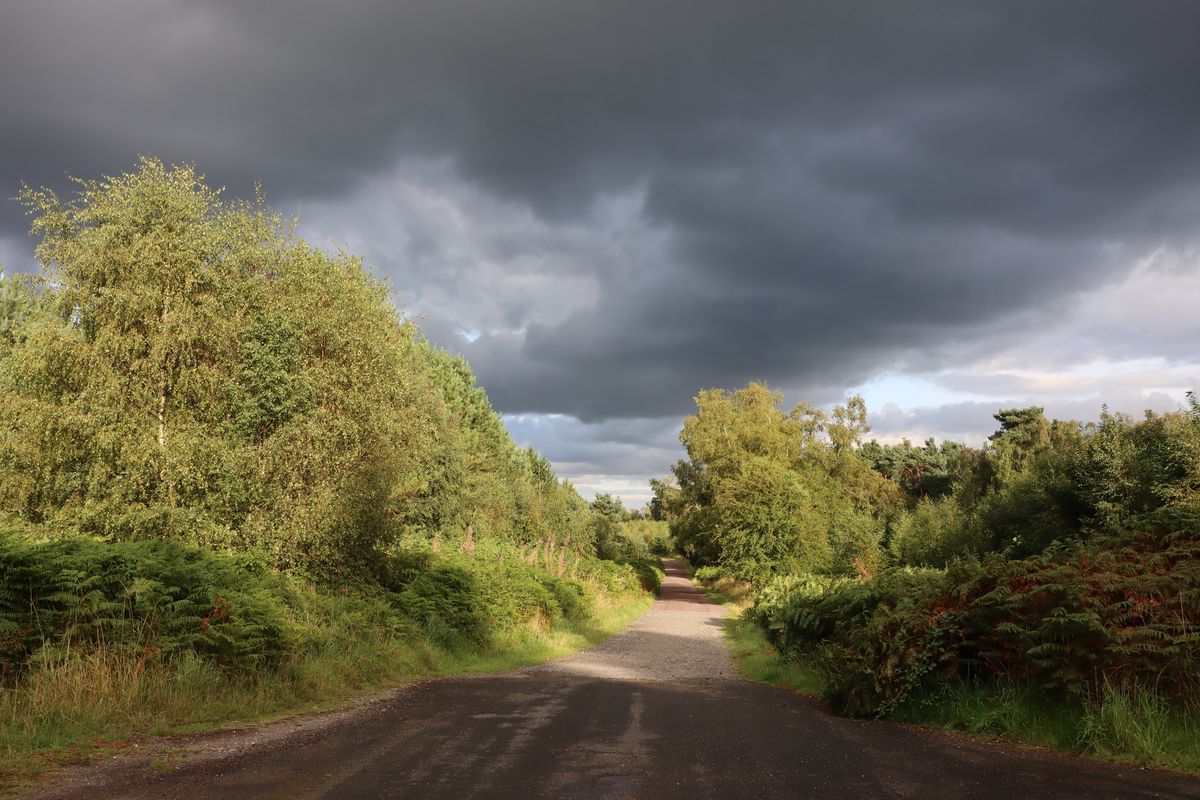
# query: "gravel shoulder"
657,709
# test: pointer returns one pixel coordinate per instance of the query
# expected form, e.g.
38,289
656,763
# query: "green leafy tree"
608,506
767,490
194,371
926,472
21,301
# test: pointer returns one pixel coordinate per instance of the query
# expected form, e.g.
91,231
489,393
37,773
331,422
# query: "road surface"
658,711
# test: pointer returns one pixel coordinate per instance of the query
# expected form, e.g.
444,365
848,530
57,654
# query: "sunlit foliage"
191,370
766,490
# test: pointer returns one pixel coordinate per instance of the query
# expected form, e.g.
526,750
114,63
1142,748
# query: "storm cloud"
607,206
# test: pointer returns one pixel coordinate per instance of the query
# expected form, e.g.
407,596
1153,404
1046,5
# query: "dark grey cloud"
637,446
615,456
806,193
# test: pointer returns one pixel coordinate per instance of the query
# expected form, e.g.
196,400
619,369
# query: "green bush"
625,541
1069,621
464,600
164,599
933,533
610,576
654,535
512,592
446,603
140,597
650,574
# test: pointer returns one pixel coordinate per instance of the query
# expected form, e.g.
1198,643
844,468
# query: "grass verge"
1132,726
1128,726
759,660
755,656
737,595
521,647
77,704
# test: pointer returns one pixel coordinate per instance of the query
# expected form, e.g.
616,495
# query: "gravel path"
656,711
679,640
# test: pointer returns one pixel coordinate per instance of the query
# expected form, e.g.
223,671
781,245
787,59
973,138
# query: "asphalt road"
655,712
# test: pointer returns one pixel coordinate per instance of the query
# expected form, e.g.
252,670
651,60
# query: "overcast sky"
947,206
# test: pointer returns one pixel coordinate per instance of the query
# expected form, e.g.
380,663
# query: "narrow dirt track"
657,711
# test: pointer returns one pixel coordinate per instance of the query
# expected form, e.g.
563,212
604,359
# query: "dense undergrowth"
641,543
1045,586
235,480
648,537
106,640
1071,621
1093,647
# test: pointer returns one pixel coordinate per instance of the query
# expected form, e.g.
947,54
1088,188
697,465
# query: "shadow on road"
657,711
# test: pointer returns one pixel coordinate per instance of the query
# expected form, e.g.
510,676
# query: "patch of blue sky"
910,391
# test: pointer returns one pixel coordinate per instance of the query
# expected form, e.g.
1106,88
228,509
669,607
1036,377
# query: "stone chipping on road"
678,640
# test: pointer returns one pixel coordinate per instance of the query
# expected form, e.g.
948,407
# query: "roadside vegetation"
630,538
235,481
755,655
1044,587
207,638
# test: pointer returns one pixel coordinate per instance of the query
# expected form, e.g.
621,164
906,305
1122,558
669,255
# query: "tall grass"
997,710
1138,725
758,659
67,694
77,702
1125,724
1131,724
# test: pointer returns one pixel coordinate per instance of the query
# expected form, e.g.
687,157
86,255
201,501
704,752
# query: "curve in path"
656,711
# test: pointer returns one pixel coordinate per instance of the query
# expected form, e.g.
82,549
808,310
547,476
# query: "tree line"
766,491
188,368
1044,586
